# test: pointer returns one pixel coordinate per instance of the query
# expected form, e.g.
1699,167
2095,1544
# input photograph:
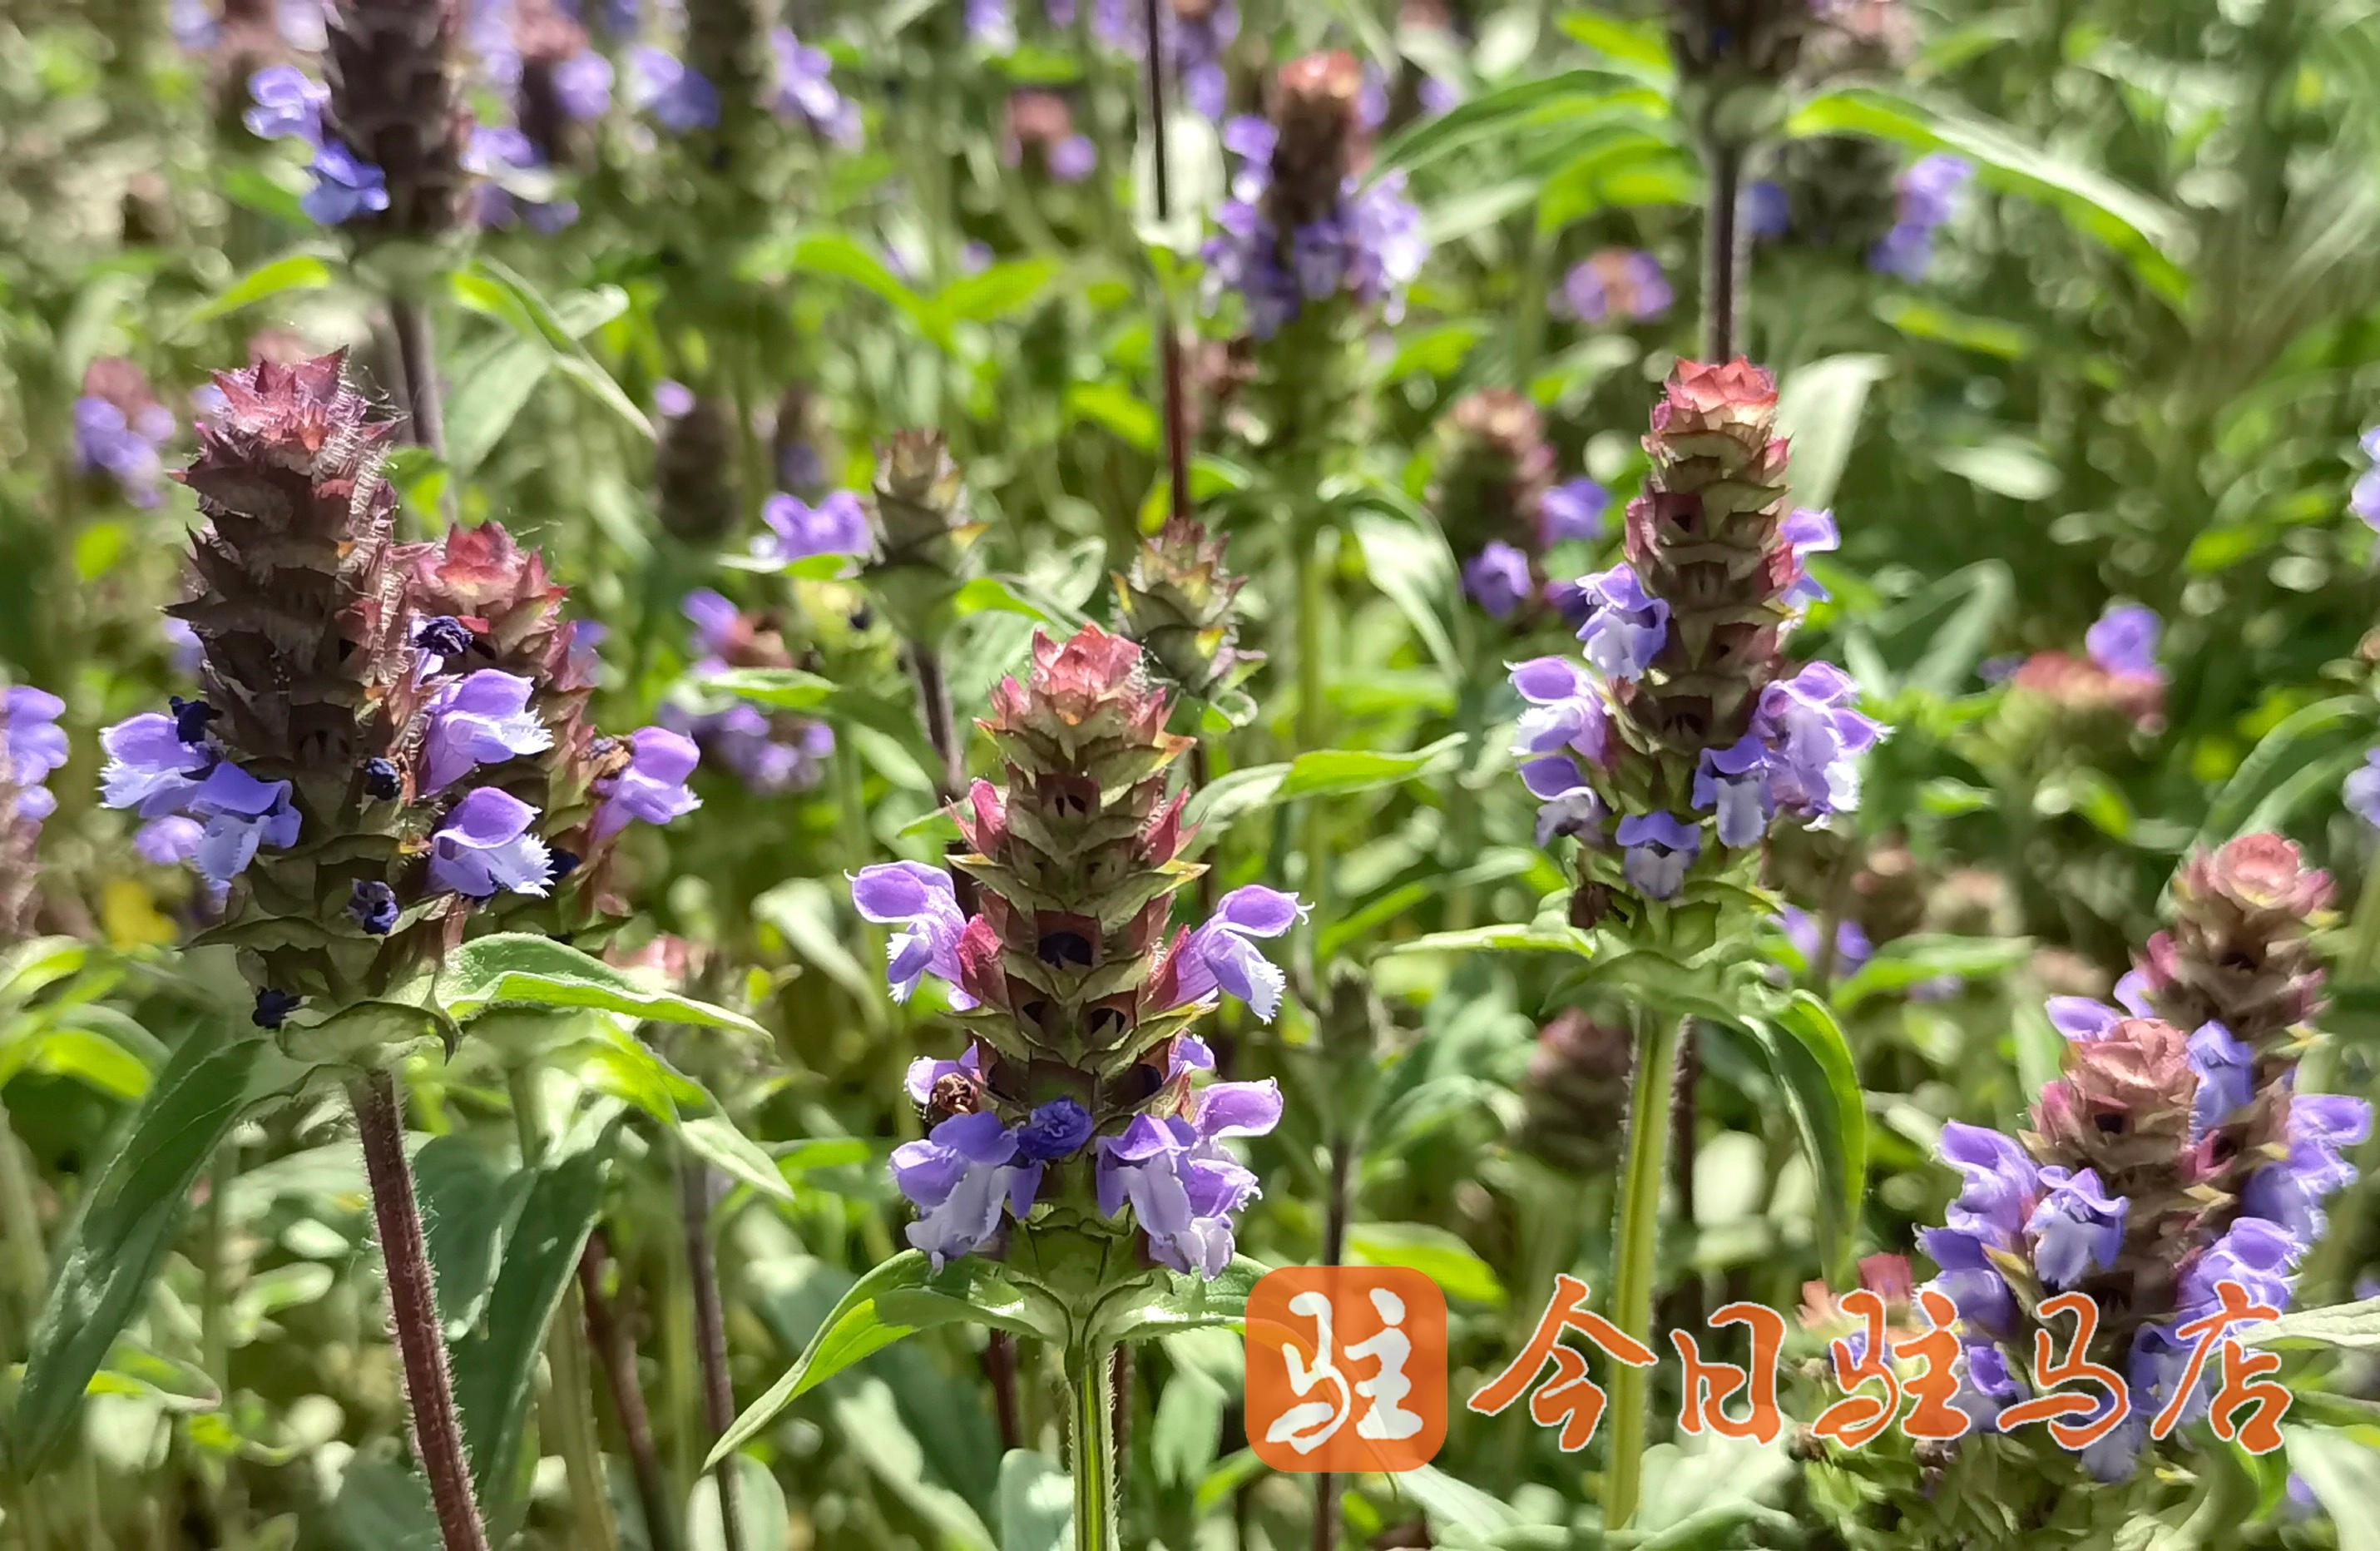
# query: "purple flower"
651,786
485,847
194,26
1370,249
682,100
481,718
2365,499
2289,1193
2000,1182
344,185
959,1178
2081,1019
1851,945
1766,211
1814,739
714,619
582,85
1617,284
1625,627
1223,955
169,841
371,905
1928,198
2226,1076
1658,848
2363,790
183,648
837,525
1574,510
1985,1386
2259,1255
2077,1225
1807,532
1565,709
925,1071
149,768
2125,640
1734,782
672,398
1072,159
805,87
1566,804
1185,1188
105,441
1497,578
1054,1130
238,814
31,745
1969,1279
289,104
922,901
991,23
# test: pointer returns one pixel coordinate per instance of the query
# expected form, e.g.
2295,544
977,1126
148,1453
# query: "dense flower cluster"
1685,712
1179,603
1496,498
1302,227
1623,284
2118,676
390,733
768,753
1077,993
395,129
798,87
2173,1155
119,427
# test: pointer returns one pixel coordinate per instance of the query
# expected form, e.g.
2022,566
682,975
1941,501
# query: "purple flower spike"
680,99
1497,579
2081,1019
959,1178
1223,955
31,745
239,814
484,848
2259,1255
652,788
837,525
1985,1386
345,185
2226,1076
923,902
150,769
2000,1182
481,718
2363,790
1185,1189
1659,848
582,84
1969,1280
2125,640
1625,628
289,104
1055,1130
1572,510
1734,781
2077,1227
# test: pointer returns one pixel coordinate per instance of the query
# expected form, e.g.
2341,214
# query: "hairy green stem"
1313,599
413,1311
1090,1435
565,1408
1637,1246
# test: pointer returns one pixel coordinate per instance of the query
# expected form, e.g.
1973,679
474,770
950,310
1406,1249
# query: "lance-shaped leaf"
521,968
1175,1302
2347,1327
1811,1062
896,1299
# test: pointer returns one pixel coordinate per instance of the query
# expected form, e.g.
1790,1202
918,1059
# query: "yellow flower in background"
129,914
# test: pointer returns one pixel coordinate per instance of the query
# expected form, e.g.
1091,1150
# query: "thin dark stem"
1682,1141
413,1310
1724,258
1168,337
1335,1212
615,1349
1202,772
999,1368
416,362
942,729
710,1331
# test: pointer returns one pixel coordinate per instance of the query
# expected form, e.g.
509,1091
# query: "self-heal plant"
1074,1137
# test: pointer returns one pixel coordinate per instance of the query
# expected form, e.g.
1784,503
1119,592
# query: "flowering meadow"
747,746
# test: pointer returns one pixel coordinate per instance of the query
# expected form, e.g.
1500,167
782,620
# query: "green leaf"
1175,1302
368,1034
302,271
494,382
1000,291
495,1365
90,1058
1530,110
1502,939
470,1205
2343,1468
131,1218
2143,231
1819,406
523,968
2007,466
1407,558
174,1384
1812,1065
2300,739
781,689
2345,1326
1318,773
1912,960
37,963
1438,1252
1115,408
864,1323
612,1061
1036,1503
487,286
761,1511
835,256
1638,47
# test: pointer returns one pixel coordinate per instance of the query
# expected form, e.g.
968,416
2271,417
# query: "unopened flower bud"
693,471
396,73
1179,604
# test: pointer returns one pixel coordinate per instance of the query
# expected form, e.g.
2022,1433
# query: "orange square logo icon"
1346,1369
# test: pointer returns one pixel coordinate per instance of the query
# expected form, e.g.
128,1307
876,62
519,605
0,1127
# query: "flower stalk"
1636,1254
710,1333
1090,1436
615,1350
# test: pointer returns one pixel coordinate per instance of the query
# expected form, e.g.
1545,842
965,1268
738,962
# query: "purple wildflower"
2001,1181
582,85
2289,1193
289,104
651,786
1185,1188
959,1177
480,718
1055,1130
1497,578
1928,198
1222,956
2361,792
344,185
1625,628
2258,1254
168,841
1072,159
125,448
805,90
837,525
1734,782
2365,499
2075,1228
485,847
238,814
679,98
1572,510
1658,848
31,745
2226,1076
923,902
150,769
2124,640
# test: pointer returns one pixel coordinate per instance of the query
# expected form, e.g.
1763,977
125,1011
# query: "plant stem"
710,1331
1168,337
1313,599
1090,1416
568,1394
941,730
26,1265
1000,1370
1637,1242
1335,1212
416,362
413,1310
615,1349
1724,258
